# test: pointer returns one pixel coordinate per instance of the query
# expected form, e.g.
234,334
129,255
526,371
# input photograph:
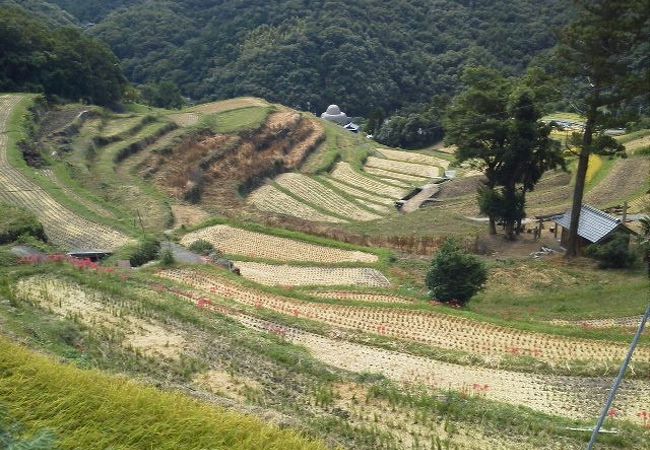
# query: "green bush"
202,247
455,276
615,254
15,222
167,258
145,250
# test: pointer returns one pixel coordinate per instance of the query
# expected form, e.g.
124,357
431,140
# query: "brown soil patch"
188,215
215,170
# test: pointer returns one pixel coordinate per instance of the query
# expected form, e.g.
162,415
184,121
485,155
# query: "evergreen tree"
605,53
496,120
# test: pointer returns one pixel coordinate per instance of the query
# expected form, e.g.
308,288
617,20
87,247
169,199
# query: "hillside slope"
307,54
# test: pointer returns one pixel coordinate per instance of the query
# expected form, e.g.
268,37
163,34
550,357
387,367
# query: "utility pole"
619,378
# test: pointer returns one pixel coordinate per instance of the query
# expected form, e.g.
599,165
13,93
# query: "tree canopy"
60,61
496,120
362,55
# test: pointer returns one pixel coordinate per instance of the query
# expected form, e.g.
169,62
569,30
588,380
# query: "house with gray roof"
595,226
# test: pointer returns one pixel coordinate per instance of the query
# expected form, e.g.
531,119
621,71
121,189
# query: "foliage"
167,258
497,121
11,436
455,275
61,61
615,254
202,247
414,130
16,222
363,55
146,249
162,95
602,55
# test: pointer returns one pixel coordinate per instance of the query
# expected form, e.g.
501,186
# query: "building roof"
594,224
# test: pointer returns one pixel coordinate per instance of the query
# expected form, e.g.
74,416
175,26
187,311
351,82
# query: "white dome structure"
334,114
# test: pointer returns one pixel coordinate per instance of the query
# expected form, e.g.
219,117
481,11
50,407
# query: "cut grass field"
89,409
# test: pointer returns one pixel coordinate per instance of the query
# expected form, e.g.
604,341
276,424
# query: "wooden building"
595,227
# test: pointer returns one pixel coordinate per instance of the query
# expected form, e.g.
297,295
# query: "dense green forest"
38,56
363,55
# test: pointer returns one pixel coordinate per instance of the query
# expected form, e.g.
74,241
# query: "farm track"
429,328
574,397
63,227
237,241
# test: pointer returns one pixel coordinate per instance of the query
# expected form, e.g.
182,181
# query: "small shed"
595,227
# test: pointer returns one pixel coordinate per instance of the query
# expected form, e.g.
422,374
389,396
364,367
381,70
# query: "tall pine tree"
604,52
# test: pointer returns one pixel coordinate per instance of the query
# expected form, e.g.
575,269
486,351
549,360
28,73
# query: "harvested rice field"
271,199
272,275
240,242
419,170
346,174
315,193
413,157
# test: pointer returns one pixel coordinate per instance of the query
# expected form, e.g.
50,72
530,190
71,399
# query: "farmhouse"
595,227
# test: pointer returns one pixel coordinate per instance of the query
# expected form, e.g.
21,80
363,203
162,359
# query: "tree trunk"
579,190
493,226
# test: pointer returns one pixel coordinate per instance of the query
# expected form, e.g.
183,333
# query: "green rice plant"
88,409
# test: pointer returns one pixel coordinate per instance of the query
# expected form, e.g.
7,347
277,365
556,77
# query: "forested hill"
307,53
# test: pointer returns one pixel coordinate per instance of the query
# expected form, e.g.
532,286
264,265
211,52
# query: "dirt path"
62,226
426,193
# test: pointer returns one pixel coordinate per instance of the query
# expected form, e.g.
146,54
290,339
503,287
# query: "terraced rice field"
359,193
419,170
318,194
345,173
271,199
429,328
413,157
394,177
272,275
628,176
360,297
574,397
63,227
237,241
227,105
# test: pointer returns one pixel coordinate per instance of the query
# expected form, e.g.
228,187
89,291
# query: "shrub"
15,222
455,275
202,247
145,250
615,254
167,258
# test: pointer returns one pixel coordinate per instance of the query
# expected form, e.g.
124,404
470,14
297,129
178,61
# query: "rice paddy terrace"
335,341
